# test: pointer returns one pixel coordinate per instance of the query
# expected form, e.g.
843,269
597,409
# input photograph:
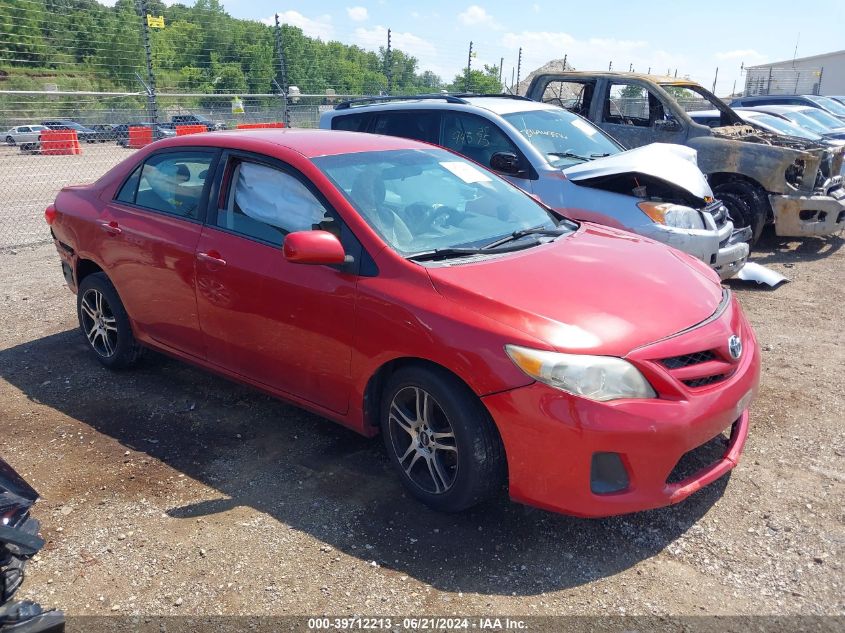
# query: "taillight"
50,214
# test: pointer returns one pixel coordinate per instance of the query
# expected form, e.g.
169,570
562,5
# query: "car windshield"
562,137
831,105
781,126
825,118
799,118
422,201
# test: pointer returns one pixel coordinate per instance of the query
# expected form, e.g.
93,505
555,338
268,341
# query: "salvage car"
478,335
761,177
813,119
569,164
825,104
24,134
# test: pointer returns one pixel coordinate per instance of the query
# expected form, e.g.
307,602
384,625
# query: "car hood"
598,290
674,164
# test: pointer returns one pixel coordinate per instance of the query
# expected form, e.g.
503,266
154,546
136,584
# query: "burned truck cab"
760,176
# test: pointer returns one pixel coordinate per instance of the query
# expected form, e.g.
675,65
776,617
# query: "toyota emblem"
735,347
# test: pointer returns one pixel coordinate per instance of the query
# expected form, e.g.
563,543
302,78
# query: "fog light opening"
608,474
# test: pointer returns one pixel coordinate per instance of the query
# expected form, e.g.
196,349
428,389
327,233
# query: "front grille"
718,211
701,457
706,380
696,358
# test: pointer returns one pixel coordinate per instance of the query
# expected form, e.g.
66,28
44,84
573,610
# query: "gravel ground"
167,490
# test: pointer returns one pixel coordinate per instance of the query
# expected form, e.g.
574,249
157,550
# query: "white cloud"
357,14
476,15
320,27
748,56
535,7
425,52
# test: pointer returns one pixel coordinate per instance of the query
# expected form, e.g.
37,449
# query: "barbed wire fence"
108,68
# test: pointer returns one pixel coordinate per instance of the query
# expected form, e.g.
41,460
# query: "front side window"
171,182
422,200
562,137
267,203
474,137
575,96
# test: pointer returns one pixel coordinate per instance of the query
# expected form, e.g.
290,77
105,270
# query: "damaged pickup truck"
760,176
569,164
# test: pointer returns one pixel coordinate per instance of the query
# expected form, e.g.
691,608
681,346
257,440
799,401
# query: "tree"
482,82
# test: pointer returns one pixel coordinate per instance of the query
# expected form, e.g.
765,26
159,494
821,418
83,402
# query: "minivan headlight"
674,215
598,378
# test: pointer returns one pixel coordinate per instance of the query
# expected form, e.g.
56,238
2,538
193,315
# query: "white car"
23,134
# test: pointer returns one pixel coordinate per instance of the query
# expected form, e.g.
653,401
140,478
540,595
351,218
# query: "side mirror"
667,125
505,162
313,247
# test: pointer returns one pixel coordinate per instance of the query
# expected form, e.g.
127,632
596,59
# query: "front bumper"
797,216
552,437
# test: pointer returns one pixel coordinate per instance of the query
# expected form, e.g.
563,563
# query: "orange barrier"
257,126
57,142
182,130
139,136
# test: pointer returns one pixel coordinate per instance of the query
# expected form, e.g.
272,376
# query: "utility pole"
388,60
518,69
501,65
469,67
564,62
282,84
714,80
610,66
152,106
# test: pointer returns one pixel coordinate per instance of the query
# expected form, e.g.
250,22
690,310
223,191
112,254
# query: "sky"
693,37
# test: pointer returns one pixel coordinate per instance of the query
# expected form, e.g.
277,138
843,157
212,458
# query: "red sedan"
398,288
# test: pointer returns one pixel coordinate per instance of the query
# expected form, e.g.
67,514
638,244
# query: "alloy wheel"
423,440
99,323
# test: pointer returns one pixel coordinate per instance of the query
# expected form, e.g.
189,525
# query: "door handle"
212,257
111,228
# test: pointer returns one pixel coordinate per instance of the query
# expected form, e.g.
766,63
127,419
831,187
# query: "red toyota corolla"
398,288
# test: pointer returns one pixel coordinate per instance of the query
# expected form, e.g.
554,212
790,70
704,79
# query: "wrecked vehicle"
19,541
760,176
569,164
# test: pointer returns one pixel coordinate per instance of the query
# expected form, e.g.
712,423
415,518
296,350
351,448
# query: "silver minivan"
570,164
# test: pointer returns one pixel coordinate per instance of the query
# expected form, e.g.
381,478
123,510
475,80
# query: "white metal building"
818,74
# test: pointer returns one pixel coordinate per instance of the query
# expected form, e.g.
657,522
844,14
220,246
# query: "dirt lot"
167,490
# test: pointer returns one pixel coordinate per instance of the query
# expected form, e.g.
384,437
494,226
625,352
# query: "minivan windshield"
562,137
425,201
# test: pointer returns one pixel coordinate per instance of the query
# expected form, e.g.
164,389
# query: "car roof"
308,142
504,104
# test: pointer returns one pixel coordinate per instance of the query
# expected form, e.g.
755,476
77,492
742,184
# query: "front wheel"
10,140
746,205
441,440
104,322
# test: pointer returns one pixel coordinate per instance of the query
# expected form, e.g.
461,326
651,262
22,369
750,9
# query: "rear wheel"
746,204
441,440
104,322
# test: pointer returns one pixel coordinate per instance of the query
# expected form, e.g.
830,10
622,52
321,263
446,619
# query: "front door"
635,116
287,326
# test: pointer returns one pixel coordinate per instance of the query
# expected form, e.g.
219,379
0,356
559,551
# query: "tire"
10,141
447,452
746,204
104,323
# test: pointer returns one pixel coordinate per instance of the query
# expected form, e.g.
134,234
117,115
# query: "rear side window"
351,122
416,125
474,137
170,182
267,203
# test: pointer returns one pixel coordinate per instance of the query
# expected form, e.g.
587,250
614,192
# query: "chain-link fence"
783,81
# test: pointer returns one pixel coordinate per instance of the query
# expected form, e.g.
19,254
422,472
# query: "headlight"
599,378
673,215
795,173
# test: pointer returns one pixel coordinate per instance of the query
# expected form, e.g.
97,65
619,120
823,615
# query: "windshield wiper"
443,253
489,249
516,235
569,155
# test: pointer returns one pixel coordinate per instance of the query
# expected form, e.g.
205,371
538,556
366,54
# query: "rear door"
287,326
149,234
